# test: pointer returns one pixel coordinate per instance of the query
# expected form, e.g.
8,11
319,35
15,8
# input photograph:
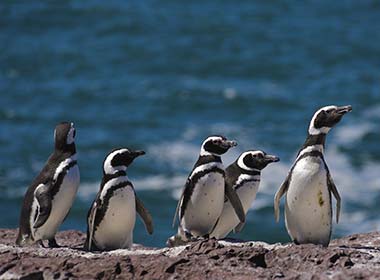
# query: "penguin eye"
329,111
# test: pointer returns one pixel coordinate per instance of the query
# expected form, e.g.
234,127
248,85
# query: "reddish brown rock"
356,256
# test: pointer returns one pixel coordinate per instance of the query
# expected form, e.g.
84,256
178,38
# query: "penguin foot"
175,241
24,240
52,243
40,243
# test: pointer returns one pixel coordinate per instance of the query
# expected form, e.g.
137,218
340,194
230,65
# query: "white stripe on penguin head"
108,168
315,131
241,163
207,153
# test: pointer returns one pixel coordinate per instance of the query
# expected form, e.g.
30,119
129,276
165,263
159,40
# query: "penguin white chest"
61,204
116,228
247,194
228,220
205,204
308,203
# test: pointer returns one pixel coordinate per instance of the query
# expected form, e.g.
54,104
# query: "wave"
372,112
87,191
352,133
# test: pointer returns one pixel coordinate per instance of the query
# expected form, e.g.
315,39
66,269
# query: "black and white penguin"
50,196
111,218
244,178
308,186
202,199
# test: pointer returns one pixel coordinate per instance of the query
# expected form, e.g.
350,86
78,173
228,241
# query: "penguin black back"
64,135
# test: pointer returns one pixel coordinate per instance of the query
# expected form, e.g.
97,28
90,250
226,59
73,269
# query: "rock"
355,256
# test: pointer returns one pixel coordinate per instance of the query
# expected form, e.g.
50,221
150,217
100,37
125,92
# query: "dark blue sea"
162,75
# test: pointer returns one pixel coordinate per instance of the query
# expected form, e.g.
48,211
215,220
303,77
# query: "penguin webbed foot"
52,243
206,236
181,238
40,243
175,241
24,240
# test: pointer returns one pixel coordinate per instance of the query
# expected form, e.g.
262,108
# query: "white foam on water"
349,134
88,191
260,202
230,93
372,112
357,222
175,154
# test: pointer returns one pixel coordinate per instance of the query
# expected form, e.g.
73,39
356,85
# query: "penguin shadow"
76,247
234,240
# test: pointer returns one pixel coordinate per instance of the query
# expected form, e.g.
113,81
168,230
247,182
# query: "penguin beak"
137,153
344,110
230,143
271,158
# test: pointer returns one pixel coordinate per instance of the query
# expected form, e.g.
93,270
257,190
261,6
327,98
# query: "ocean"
163,75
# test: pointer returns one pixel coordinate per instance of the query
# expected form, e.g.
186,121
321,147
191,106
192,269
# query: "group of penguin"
213,203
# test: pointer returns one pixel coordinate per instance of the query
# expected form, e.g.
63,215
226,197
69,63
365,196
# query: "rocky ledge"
356,256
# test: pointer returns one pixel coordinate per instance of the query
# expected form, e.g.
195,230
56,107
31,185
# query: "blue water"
162,75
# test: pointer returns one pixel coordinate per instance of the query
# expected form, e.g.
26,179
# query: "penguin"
309,184
50,196
202,200
111,218
243,176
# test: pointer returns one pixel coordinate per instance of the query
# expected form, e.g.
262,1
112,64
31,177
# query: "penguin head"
216,145
64,136
119,160
255,160
325,118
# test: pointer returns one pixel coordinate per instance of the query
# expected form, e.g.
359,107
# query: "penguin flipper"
145,215
180,203
88,245
332,187
239,227
177,210
42,194
235,202
281,191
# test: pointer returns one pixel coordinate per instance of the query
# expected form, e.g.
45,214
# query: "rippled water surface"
162,75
